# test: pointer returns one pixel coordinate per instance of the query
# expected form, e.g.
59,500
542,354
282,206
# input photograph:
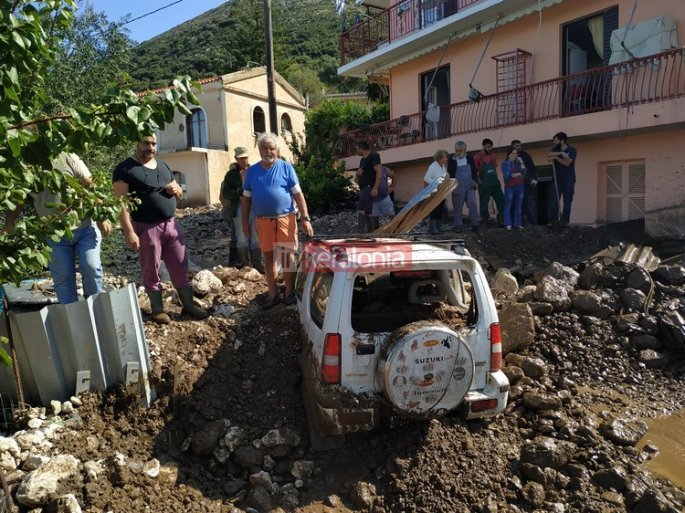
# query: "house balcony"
649,79
400,20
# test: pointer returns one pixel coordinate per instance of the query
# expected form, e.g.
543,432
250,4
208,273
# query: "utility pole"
269,54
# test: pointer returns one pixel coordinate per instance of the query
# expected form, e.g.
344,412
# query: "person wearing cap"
243,250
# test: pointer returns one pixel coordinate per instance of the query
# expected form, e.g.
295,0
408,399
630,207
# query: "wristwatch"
306,218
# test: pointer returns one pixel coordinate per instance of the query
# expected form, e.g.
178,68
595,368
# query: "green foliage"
231,37
322,178
31,38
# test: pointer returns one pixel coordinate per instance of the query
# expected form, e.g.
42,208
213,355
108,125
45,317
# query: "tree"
31,36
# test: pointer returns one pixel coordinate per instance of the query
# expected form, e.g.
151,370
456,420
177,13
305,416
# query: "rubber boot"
256,258
185,294
233,258
362,223
374,223
157,313
243,257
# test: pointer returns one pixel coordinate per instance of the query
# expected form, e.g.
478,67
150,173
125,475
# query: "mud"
242,370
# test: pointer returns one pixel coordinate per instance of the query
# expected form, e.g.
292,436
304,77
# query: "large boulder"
517,326
50,481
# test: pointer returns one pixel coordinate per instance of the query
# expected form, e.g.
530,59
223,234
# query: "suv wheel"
425,369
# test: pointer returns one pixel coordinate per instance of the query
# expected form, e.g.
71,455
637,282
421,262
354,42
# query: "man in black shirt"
369,176
151,227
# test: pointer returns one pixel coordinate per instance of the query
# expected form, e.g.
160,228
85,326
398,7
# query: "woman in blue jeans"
514,174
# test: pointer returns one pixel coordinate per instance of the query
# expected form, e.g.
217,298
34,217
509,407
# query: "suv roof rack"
413,237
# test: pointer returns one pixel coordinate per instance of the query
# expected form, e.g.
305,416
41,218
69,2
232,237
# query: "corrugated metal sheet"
88,345
640,256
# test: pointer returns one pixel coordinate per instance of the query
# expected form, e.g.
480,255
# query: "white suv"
393,328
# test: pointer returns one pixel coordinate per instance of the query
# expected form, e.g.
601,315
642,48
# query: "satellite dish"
432,113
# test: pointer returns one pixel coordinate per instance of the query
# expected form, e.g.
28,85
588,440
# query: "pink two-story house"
611,74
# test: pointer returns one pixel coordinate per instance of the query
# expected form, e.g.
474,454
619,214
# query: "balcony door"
435,96
586,46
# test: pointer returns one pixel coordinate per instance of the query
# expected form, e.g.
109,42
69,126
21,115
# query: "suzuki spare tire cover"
425,369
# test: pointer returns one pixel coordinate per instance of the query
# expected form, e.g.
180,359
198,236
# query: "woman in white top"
436,171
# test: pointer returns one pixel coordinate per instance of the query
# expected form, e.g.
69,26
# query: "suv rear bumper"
496,389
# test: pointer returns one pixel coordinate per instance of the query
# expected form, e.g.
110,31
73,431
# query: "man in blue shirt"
563,158
272,190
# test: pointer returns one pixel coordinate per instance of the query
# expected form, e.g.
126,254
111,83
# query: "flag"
340,6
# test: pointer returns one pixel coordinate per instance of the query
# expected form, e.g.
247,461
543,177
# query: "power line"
151,12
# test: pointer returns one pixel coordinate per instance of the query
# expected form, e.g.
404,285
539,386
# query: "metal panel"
59,346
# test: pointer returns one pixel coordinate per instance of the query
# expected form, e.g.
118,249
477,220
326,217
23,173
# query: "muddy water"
668,434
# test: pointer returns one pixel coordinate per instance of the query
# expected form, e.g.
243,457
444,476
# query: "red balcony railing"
647,79
399,20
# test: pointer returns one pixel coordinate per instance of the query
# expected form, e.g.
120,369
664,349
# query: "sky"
154,24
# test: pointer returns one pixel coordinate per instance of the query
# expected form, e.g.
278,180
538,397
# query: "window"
587,46
258,121
383,302
625,191
197,129
321,291
286,124
511,76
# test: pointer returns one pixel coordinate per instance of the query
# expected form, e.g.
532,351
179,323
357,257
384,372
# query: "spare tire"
425,369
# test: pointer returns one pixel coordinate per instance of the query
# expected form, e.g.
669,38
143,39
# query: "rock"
547,452
58,476
611,479
225,274
205,282
541,309
35,423
504,281
653,359
67,504
251,274
539,401
363,494
586,302
555,292
566,275
650,324
302,469
513,373
653,501
534,493
517,326
628,322
204,441
623,432
239,287
260,498
283,436
10,446
333,501
532,367
248,457
590,276
233,437
34,461
152,468
672,331
526,294
633,299
644,341
639,279
670,274
56,407
262,479
76,401
233,486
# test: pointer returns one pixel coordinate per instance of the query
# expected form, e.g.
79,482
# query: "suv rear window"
385,301
321,290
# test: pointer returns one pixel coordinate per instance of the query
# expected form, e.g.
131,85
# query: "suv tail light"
495,347
330,364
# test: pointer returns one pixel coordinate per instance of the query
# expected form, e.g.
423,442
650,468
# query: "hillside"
230,37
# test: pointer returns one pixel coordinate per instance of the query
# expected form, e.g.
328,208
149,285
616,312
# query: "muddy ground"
582,455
